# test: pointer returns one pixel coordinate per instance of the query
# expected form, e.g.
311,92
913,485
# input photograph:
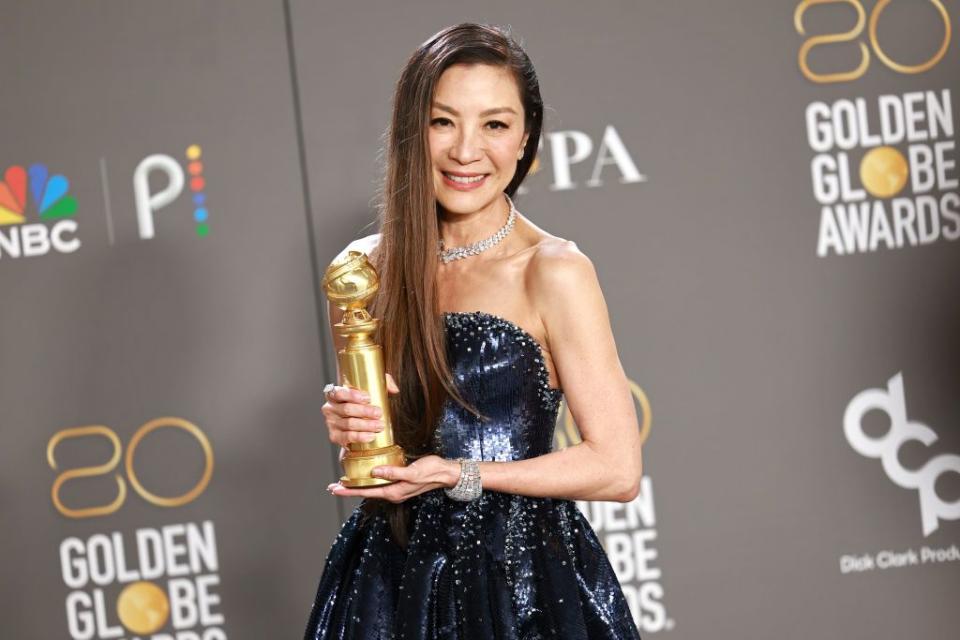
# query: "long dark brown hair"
406,257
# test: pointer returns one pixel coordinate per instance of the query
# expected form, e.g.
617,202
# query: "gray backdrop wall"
767,189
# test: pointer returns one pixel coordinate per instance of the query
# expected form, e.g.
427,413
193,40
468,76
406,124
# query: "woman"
479,537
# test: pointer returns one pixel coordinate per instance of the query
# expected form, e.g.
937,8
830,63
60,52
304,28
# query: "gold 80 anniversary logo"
884,169
100,431
163,580
856,34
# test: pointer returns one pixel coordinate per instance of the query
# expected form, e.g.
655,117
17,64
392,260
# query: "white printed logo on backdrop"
886,448
134,580
884,164
569,154
628,533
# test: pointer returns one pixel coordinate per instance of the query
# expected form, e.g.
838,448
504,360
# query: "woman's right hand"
350,416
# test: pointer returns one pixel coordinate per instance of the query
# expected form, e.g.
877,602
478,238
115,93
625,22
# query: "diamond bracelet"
468,486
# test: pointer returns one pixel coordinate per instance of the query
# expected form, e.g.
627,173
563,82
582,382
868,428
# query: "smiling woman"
478,536
473,149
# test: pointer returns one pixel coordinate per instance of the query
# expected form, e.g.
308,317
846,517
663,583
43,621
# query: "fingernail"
367,437
365,397
376,472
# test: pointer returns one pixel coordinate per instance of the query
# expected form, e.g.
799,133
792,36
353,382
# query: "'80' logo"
855,33
100,431
892,402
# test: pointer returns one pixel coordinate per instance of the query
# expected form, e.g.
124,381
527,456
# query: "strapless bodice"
505,566
499,368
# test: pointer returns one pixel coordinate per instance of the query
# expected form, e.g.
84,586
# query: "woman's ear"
523,145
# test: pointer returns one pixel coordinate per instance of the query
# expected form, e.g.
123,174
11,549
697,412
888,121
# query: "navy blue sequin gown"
503,566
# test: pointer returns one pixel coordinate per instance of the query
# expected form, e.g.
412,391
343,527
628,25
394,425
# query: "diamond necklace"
457,253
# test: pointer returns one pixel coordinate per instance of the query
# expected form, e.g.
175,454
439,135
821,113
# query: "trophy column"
350,283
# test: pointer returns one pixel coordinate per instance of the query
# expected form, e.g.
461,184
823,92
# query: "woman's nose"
468,147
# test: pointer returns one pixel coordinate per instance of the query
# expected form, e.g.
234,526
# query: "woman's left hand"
421,475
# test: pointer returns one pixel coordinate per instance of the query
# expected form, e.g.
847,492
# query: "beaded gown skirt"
502,566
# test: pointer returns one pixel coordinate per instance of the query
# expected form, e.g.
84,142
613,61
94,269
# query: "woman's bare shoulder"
558,268
553,254
547,250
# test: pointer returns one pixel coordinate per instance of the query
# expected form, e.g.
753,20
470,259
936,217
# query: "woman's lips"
464,183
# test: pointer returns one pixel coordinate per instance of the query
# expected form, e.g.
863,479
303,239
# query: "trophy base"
359,464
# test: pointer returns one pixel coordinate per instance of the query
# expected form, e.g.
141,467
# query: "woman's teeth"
465,179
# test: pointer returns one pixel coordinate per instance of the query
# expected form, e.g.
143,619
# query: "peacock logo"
53,204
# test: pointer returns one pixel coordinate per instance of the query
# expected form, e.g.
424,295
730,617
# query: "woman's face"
476,135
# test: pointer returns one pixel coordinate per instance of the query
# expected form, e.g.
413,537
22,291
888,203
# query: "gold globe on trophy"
350,282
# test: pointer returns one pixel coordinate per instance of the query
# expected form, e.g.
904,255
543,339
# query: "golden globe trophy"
350,282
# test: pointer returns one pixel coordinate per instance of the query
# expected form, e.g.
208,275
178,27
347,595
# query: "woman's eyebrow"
483,114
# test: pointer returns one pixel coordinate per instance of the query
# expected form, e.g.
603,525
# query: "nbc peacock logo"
51,203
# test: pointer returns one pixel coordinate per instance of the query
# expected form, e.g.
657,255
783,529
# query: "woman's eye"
440,121
497,124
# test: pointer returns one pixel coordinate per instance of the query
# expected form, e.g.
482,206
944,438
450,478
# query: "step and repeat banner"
769,193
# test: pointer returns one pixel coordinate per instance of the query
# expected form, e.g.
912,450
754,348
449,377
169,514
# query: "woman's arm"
607,464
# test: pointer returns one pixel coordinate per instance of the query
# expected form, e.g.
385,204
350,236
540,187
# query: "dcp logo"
891,401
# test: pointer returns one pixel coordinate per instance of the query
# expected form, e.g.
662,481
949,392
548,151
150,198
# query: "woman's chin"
465,202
